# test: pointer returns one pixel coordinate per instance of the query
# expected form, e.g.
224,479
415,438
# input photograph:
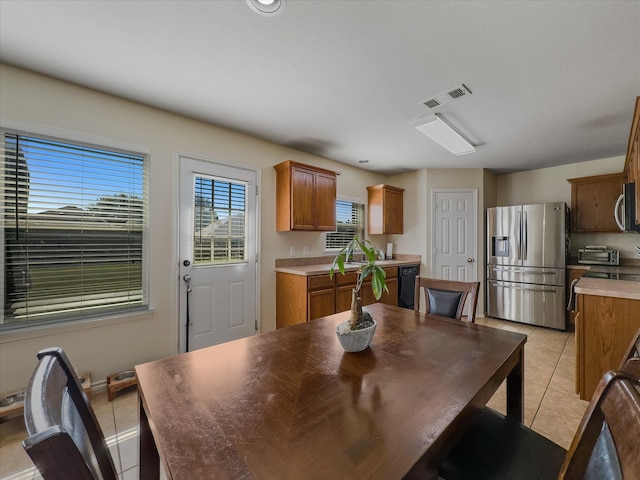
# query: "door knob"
469,260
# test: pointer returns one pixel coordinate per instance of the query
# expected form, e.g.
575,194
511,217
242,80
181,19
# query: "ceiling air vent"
432,103
447,96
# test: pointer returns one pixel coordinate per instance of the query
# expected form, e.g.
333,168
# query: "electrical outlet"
292,251
305,251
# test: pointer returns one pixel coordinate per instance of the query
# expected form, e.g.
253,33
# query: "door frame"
180,290
474,191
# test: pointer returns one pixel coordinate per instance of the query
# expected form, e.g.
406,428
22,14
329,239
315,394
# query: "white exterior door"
454,234
218,253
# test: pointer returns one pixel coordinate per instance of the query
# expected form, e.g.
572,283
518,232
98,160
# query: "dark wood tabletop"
291,404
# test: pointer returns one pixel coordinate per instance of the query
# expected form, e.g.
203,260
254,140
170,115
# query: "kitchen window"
74,231
350,222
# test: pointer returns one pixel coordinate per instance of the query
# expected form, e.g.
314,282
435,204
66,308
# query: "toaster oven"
593,255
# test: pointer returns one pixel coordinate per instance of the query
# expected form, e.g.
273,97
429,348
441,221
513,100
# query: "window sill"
47,330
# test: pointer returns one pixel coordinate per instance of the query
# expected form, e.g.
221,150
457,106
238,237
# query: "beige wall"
550,185
418,208
109,346
115,344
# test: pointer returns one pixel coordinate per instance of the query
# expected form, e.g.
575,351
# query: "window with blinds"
74,231
350,222
219,226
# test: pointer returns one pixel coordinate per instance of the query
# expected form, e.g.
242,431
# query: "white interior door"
454,234
218,253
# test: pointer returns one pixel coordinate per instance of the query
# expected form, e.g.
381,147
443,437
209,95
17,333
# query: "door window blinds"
74,231
220,221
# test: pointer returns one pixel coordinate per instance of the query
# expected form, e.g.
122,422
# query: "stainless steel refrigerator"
527,247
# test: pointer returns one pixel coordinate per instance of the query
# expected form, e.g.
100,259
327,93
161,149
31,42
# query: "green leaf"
338,263
378,282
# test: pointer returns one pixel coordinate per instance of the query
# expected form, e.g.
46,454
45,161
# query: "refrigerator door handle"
519,239
515,270
530,289
525,236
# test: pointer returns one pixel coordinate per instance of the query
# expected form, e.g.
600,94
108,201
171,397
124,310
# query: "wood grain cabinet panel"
305,198
302,298
604,329
572,274
321,303
291,299
593,200
386,209
632,163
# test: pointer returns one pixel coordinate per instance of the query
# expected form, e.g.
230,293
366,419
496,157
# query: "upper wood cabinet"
305,198
593,200
632,164
385,209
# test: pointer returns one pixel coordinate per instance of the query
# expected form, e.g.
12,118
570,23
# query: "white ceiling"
553,82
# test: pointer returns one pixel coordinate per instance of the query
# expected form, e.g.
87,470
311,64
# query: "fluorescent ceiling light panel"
438,130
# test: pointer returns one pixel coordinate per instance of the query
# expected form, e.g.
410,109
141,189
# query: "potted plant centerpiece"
356,333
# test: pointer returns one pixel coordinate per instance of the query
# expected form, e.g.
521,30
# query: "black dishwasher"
406,285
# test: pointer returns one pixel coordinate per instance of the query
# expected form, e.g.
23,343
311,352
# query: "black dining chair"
446,298
65,440
606,445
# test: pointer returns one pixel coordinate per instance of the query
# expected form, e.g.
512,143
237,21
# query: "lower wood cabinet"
605,327
302,298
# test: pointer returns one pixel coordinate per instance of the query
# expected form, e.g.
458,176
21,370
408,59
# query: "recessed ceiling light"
267,8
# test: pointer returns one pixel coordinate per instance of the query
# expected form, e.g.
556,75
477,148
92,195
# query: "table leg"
148,452
515,390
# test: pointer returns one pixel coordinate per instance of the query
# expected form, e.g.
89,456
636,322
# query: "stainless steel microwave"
625,210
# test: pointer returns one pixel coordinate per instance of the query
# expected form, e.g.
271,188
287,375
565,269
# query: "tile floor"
551,406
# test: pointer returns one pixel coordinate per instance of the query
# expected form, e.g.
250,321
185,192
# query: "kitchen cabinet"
572,274
593,200
632,163
301,298
385,208
346,283
605,327
305,198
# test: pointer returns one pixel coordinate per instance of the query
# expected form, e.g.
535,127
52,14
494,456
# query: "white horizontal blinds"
219,227
350,222
75,225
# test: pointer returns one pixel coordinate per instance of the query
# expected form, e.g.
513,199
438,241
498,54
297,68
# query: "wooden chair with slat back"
605,445
634,348
446,298
65,440
631,360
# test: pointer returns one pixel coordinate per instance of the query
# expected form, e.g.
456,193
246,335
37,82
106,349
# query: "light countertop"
605,268
323,268
605,287
609,288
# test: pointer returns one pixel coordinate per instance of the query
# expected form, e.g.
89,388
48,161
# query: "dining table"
291,404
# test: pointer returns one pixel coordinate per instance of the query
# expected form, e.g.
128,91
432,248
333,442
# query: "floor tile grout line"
115,425
550,380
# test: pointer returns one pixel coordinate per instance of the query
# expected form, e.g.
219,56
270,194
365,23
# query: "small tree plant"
368,266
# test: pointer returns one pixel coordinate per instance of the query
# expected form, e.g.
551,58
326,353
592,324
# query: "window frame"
89,141
361,229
